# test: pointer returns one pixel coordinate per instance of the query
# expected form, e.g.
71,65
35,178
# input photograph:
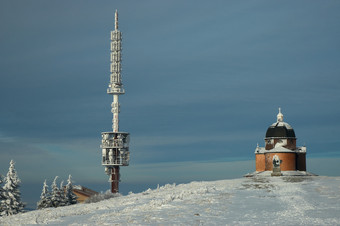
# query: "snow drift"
299,200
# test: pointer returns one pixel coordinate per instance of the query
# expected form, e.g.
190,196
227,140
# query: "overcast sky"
203,82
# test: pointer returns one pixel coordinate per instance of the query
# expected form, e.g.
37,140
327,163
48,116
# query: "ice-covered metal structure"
115,144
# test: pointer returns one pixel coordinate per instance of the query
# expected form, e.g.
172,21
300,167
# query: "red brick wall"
268,146
288,161
291,144
260,162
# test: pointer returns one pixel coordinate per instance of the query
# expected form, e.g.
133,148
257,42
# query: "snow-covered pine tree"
12,197
45,198
62,194
1,193
70,196
56,197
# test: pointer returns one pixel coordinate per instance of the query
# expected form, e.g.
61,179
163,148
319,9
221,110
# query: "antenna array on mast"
115,144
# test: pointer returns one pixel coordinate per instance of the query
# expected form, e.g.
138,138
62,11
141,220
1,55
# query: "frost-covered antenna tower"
115,144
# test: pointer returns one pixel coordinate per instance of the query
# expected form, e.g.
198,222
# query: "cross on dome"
280,116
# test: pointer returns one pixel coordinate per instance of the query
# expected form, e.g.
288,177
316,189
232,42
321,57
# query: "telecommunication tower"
115,144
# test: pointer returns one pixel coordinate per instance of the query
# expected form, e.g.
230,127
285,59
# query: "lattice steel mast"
115,145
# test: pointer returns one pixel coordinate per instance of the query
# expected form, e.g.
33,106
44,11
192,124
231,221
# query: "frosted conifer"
45,198
63,201
1,193
11,204
56,197
61,185
70,196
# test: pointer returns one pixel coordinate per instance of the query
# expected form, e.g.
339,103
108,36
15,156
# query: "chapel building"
280,140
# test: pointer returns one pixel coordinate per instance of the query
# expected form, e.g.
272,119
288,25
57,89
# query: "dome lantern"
280,129
280,116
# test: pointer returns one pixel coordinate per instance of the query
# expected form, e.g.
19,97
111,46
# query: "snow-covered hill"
245,201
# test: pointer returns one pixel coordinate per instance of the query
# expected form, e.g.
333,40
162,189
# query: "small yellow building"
83,193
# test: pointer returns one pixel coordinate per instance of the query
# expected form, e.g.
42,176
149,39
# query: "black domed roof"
280,129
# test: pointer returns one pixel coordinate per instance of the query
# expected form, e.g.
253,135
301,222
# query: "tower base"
115,179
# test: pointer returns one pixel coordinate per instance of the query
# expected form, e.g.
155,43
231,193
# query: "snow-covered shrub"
146,192
102,196
166,186
11,203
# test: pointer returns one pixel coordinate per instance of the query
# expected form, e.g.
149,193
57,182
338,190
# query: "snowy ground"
261,200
